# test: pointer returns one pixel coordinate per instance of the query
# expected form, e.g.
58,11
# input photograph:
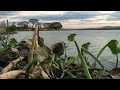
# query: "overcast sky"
69,19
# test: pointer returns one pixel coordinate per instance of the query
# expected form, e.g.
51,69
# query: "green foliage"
86,46
70,61
7,42
114,46
10,29
83,62
71,37
115,49
13,43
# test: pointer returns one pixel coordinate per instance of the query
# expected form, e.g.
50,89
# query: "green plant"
86,46
114,47
7,42
34,47
83,62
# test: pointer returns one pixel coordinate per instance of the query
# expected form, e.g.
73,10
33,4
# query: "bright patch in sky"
107,11
32,13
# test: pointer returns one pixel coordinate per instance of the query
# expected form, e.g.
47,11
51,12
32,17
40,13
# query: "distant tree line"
54,25
32,22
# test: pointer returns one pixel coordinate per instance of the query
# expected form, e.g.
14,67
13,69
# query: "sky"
69,19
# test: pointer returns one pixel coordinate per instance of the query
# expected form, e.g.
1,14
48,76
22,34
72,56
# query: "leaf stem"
117,60
83,62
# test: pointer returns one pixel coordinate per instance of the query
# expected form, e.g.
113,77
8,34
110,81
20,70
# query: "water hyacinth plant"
114,47
83,62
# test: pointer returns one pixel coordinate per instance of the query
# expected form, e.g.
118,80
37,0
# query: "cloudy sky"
69,19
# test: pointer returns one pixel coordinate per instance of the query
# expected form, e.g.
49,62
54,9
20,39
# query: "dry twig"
11,65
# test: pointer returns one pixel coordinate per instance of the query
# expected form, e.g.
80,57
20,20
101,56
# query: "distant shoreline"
72,30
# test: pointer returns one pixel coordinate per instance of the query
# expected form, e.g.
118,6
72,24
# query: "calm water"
97,38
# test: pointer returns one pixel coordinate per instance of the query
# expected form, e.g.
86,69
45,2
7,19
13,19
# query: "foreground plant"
83,62
40,54
34,46
115,49
7,42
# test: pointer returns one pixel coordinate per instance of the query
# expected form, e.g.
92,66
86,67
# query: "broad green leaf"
86,45
114,46
71,37
12,43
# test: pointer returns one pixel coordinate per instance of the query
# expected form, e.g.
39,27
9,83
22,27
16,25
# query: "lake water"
97,38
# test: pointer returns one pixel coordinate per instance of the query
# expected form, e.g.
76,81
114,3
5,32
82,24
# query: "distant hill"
103,28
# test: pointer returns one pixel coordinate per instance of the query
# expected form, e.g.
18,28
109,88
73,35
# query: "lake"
97,38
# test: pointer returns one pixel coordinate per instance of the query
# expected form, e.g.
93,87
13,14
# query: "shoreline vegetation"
32,59
53,26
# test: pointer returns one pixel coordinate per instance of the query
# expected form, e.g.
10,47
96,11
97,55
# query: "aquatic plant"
7,42
114,47
83,62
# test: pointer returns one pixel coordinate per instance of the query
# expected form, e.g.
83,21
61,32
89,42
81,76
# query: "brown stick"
12,74
30,57
44,75
11,65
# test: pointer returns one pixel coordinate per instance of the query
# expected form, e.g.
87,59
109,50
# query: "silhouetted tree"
33,21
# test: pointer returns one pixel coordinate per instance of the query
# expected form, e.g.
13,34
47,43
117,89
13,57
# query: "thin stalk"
117,60
30,57
70,74
33,44
7,39
29,68
65,47
83,62
89,69
62,75
94,64
96,59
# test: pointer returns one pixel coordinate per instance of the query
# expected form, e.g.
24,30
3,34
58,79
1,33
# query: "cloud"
81,16
8,13
63,16
114,16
